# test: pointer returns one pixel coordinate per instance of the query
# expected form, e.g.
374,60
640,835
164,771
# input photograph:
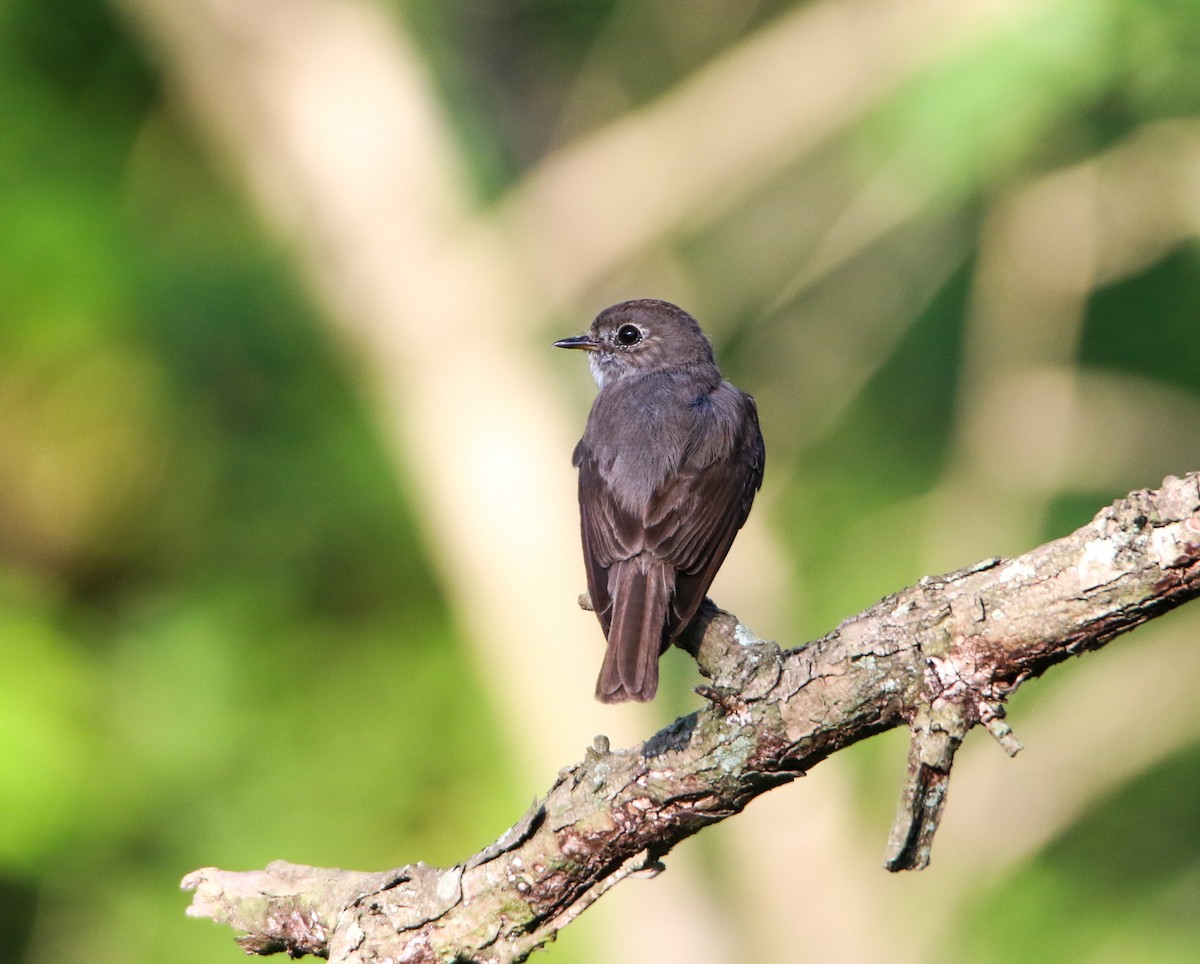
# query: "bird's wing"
610,533
692,520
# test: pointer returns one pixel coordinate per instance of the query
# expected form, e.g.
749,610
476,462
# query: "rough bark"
941,656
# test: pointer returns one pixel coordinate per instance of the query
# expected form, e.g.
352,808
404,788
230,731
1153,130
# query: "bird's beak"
578,341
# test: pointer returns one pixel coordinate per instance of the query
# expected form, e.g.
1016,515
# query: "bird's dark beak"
578,341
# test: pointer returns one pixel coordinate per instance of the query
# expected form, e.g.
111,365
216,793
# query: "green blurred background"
287,551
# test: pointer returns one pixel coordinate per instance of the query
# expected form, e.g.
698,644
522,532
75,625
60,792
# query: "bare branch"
941,656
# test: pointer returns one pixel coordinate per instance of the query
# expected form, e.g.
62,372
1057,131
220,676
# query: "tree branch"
941,656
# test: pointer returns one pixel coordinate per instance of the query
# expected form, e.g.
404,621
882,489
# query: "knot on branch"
742,667
968,680
961,693
956,702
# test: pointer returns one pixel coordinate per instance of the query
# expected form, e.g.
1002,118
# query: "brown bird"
669,464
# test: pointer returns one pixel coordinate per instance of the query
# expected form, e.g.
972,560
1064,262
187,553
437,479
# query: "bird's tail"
641,592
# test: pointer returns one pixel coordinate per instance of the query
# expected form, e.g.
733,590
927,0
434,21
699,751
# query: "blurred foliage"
207,553
206,557
1062,906
525,76
1160,300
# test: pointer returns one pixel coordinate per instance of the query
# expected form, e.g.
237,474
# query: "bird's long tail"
640,589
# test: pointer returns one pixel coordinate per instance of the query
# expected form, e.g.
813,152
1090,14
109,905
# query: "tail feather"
641,593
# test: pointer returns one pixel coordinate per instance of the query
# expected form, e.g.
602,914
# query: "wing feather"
698,512
689,522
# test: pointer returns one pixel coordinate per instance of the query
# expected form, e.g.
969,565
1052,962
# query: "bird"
669,463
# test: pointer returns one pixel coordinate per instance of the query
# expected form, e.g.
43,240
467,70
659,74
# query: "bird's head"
637,337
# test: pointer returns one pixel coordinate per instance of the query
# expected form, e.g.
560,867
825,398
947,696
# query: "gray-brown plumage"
668,466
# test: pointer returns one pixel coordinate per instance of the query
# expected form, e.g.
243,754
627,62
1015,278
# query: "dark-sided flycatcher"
668,466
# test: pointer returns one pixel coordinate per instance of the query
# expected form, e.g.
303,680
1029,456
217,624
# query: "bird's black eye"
628,335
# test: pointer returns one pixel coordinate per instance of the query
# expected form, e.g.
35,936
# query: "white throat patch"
596,364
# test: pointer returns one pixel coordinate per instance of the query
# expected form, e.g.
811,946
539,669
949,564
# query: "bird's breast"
641,434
